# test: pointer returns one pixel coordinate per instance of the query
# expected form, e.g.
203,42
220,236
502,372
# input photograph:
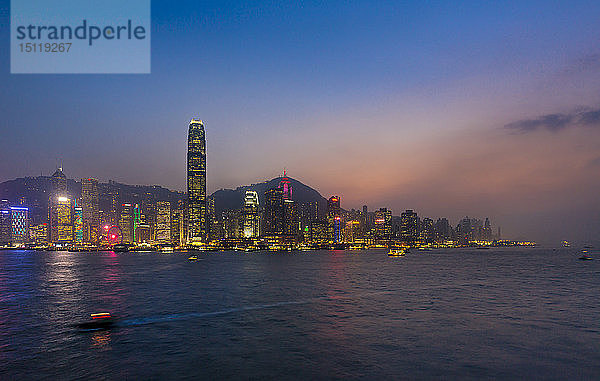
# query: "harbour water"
526,313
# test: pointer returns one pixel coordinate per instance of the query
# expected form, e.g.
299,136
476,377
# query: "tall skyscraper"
163,222
126,223
19,219
409,225
61,220
383,224
78,224
274,212
251,216
59,182
91,210
334,219
5,225
196,183
286,186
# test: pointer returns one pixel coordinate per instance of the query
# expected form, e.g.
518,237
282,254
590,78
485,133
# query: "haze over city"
450,110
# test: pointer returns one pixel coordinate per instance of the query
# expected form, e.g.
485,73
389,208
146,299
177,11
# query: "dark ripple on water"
502,314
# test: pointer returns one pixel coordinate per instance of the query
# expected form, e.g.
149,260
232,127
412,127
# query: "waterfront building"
251,227
90,203
334,219
19,221
163,222
5,225
78,224
38,234
61,220
409,226
126,222
383,224
274,214
196,183
291,224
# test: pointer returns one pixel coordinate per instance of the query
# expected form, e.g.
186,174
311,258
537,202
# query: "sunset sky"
448,108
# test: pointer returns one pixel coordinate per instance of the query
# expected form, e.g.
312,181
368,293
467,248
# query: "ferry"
192,258
99,321
585,256
401,252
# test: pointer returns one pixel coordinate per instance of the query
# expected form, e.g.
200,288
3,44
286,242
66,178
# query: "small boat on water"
99,321
120,248
192,258
401,252
585,256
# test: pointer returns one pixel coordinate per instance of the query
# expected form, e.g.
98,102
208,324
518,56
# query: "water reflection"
101,340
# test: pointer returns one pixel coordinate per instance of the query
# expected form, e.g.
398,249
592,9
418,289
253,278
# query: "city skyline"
415,114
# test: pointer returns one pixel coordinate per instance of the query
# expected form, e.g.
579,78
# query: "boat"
397,252
99,321
585,256
192,258
120,248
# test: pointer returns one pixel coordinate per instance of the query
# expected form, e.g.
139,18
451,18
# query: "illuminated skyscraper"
409,226
61,220
251,215
78,224
5,226
126,223
59,182
19,220
274,212
286,186
163,222
90,207
196,183
383,224
334,219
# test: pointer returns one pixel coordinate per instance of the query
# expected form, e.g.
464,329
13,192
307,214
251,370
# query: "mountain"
226,199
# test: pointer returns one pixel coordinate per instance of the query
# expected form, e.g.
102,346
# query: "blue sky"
384,103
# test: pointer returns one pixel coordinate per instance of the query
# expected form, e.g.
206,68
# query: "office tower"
251,215
286,186
353,231
178,233
59,182
137,221
274,212
334,219
291,225
19,221
364,220
409,226
78,224
464,230
427,230
5,225
38,234
383,224
443,231
319,232
196,183
233,223
126,223
487,230
61,220
163,222
90,203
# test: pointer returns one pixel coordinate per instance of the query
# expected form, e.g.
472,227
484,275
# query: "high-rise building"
383,224
5,225
78,224
126,222
409,226
163,222
90,203
59,182
274,212
291,224
251,215
334,219
19,220
61,220
137,221
196,183
178,232
286,186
